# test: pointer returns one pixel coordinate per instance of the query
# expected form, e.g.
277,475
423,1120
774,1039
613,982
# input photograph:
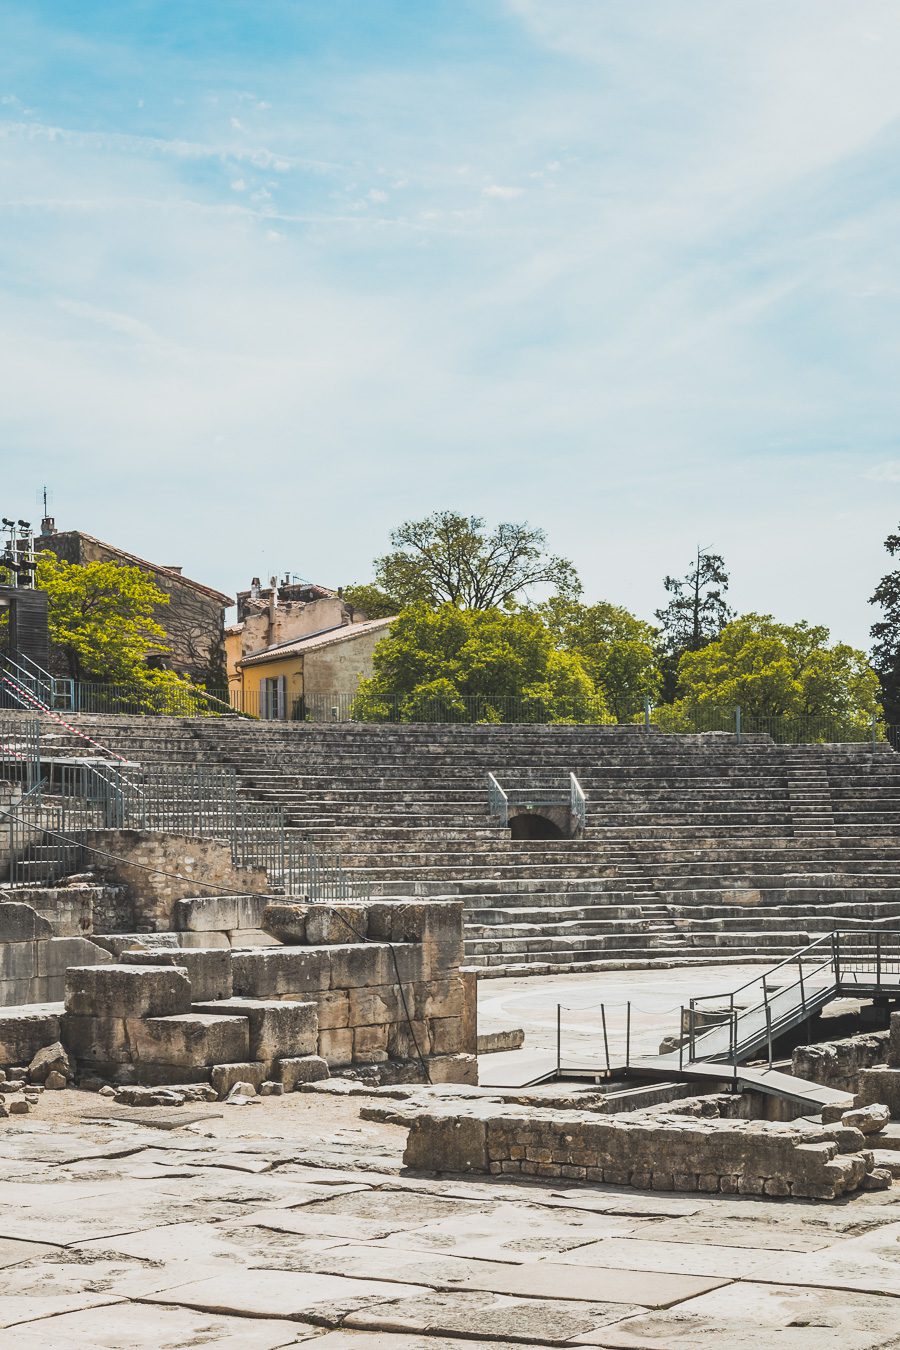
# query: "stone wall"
838,1064
33,962
667,1153
192,620
153,861
883,1084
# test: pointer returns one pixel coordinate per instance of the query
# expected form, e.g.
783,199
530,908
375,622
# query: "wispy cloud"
626,270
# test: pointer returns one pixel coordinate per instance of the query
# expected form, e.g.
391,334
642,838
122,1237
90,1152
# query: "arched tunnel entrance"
534,825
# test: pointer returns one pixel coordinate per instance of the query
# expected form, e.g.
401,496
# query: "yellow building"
315,676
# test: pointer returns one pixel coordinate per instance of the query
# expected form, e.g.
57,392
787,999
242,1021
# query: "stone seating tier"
697,847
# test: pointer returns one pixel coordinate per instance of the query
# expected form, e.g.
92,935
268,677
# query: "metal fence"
44,825
844,727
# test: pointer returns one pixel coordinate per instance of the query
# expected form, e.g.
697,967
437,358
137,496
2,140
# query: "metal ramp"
720,1032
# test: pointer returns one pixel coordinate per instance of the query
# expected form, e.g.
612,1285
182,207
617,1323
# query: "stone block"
54,957
879,1086
454,1069
243,939
370,1045
336,1047
189,1040
407,1041
336,923
224,1076
435,925
440,998
51,1059
205,941
334,1009
17,962
446,1035
893,1054
117,943
21,923
368,963
25,1031
219,913
274,972
295,1071
278,1028
127,991
285,920
208,968
374,1005
96,1040
452,1144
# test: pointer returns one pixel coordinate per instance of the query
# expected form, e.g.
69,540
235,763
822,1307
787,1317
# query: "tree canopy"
476,665
616,649
772,669
886,634
453,559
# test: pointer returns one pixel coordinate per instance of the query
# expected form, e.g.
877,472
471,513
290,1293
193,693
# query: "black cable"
208,885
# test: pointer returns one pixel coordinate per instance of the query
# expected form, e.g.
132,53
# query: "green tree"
452,559
886,635
616,649
776,670
102,618
369,600
476,665
696,613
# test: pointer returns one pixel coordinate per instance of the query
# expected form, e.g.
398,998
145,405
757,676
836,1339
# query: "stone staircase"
697,848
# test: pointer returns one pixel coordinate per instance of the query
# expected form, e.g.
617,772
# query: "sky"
277,275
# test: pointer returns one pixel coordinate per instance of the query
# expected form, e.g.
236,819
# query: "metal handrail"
578,801
498,801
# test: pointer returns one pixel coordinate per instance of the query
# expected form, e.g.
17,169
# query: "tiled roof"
312,642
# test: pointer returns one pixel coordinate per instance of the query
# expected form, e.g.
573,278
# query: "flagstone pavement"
293,1222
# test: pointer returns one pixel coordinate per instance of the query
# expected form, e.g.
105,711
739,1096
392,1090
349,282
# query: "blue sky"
277,276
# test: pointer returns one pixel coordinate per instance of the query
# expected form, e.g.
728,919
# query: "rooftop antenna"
44,499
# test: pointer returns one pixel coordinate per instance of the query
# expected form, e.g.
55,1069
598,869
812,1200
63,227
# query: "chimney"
170,567
48,525
254,589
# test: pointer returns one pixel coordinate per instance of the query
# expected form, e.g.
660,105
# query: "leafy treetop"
476,665
452,559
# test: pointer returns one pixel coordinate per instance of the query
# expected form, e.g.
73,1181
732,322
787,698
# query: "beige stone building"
311,676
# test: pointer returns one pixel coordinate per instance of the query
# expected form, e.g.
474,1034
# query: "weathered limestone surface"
208,968
839,1064
293,1072
218,913
277,1029
669,1153
33,960
26,1030
127,991
154,862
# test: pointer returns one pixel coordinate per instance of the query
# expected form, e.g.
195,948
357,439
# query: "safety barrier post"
769,1031
605,1041
627,1035
681,1039
558,1037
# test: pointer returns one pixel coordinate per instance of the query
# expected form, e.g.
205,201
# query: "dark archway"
534,826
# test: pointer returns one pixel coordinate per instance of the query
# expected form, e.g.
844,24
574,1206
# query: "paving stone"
123,1327
291,1294
730,1263
488,1315
757,1317
537,1279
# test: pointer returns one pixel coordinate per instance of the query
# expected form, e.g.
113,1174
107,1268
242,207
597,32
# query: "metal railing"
730,1027
498,802
68,796
791,991
500,799
577,801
